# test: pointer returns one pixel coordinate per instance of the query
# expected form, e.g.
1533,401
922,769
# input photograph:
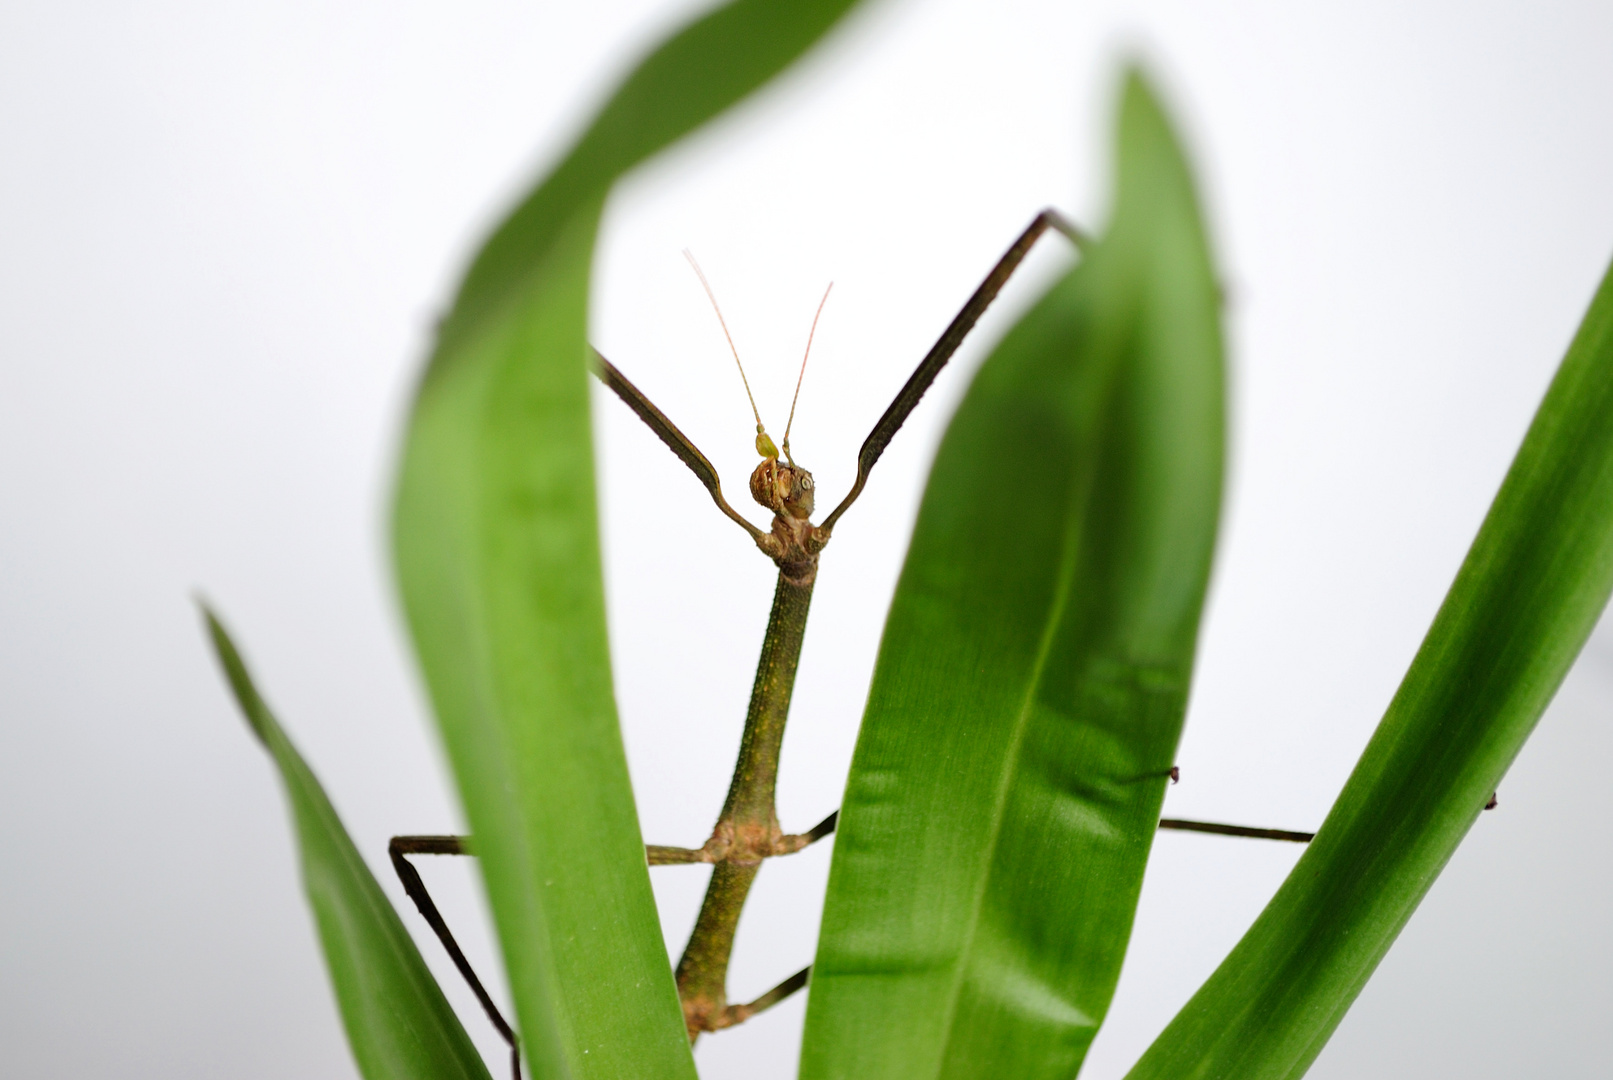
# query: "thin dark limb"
822,828
1236,830
738,1014
944,347
676,440
793,842
399,849
660,855
789,844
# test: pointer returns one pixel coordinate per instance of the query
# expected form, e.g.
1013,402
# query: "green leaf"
398,1022
693,76
1034,671
1526,597
496,536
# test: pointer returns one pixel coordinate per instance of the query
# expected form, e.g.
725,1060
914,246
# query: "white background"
225,230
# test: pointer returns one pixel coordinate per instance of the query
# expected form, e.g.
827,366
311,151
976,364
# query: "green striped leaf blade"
1525,599
399,1024
495,530
1035,665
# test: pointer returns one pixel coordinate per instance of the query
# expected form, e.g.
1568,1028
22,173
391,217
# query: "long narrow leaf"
1034,671
496,534
399,1025
1526,597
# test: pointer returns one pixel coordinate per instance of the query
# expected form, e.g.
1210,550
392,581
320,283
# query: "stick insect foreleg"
675,440
947,344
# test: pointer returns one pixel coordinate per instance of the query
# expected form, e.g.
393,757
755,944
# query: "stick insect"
747,831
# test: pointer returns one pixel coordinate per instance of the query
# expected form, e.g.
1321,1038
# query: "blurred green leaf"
1523,603
1034,670
691,77
398,1022
496,535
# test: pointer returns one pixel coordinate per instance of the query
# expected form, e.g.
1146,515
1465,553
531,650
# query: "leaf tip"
229,658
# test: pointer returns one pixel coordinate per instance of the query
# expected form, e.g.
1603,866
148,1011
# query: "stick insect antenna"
675,440
791,421
764,445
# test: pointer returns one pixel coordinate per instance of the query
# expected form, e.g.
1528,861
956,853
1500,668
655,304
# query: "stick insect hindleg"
400,849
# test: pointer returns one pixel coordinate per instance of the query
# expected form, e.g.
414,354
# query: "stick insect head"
782,487
787,489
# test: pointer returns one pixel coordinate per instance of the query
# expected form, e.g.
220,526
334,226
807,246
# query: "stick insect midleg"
747,830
